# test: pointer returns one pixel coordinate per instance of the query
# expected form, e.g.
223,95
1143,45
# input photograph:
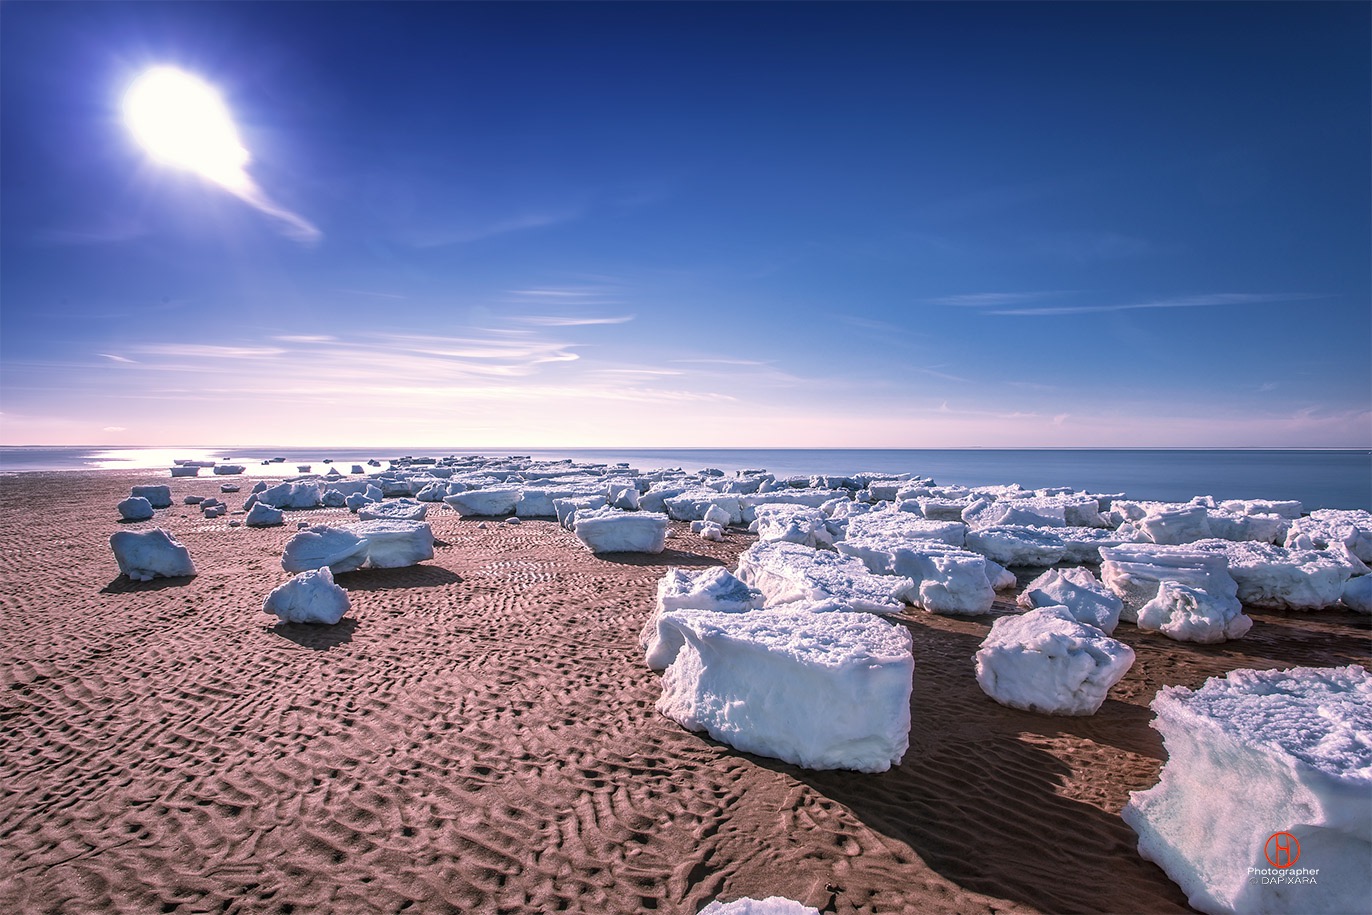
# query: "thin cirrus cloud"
992,299
995,303
570,320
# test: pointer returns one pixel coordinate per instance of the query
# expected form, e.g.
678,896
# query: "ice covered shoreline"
478,674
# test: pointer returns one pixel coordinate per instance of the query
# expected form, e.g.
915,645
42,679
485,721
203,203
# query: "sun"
181,121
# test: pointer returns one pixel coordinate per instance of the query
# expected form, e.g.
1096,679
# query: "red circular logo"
1282,850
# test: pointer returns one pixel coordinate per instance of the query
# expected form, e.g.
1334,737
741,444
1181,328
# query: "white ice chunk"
1047,661
322,546
772,905
1327,526
1357,594
1087,599
1017,546
819,690
708,530
1134,571
1191,615
1082,545
310,597
792,523
395,544
1176,526
1288,510
292,495
714,590
135,508
692,506
1281,579
786,572
1261,528
609,530
1252,755
893,525
228,469
484,503
145,555
393,510
157,496
263,515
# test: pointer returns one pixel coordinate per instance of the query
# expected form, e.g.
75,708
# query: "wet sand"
478,735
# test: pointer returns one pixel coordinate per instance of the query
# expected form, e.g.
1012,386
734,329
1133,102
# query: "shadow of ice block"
1250,756
819,690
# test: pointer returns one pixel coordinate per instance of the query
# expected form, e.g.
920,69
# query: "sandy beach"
478,735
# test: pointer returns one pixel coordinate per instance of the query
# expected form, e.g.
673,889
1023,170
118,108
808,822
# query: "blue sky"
848,225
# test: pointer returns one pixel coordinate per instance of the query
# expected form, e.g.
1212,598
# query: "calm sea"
1319,479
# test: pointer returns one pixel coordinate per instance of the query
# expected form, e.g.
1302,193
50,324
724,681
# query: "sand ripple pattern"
479,736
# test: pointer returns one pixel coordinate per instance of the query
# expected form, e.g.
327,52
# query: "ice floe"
310,597
145,555
1268,779
819,690
1047,661
609,530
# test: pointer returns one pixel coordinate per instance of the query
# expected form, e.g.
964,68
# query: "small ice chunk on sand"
1047,661
484,503
264,515
788,572
1086,598
228,469
1260,764
393,510
135,508
324,547
1357,594
310,597
710,590
609,530
1191,615
292,495
772,905
146,555
157,496
395,544
819,690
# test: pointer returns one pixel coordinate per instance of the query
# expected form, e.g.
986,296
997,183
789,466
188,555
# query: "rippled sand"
478,735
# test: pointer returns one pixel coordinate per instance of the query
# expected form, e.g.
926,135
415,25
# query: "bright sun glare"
181,120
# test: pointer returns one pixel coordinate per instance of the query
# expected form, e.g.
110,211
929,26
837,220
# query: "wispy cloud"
305,338
209,351
113,358
718,361
992,299
569,320
1196,301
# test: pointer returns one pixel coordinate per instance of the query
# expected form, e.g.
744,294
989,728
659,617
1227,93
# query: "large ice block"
1265,802
820,690
788,572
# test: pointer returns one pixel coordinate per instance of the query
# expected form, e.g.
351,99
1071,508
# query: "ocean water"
1319,479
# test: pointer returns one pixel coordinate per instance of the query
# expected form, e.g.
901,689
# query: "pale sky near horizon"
710,225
